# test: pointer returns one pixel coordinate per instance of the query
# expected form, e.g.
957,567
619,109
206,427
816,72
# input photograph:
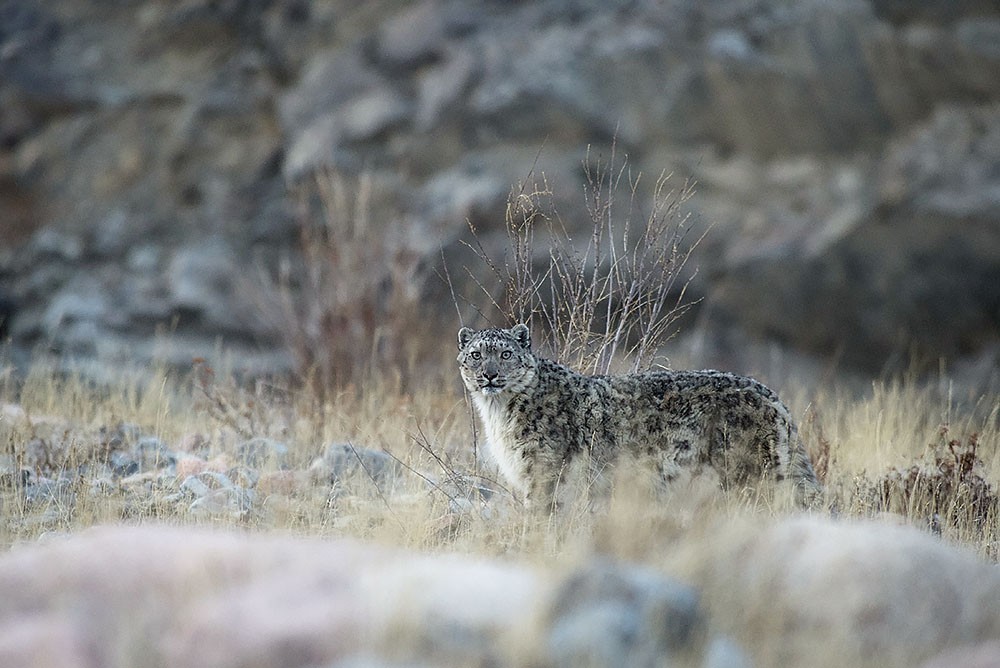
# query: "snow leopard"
539,417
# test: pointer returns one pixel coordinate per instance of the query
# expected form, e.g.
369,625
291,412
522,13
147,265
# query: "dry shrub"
348,302
241,410
820,448
617,296
945,487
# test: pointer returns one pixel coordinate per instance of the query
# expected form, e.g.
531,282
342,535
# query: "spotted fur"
540,416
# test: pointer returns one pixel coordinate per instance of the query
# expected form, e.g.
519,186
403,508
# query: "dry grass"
887,453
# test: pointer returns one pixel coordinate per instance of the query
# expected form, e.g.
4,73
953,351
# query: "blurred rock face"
846,153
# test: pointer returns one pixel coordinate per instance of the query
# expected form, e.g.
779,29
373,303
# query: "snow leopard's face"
496,360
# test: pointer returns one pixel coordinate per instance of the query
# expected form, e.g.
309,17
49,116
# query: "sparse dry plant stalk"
348,302
616,295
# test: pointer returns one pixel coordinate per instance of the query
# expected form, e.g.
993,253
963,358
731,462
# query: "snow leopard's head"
496,360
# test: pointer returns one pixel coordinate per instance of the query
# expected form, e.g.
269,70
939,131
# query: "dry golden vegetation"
408,470
401,468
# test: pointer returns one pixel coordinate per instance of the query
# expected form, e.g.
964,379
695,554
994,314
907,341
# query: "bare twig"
378,489
616,298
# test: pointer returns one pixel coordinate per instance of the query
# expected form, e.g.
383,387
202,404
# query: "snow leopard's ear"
464,336
521,335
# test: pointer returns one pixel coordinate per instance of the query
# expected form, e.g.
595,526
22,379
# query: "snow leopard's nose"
491,370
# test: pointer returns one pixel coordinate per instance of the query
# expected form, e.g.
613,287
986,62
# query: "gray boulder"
345,459
260,452
913,270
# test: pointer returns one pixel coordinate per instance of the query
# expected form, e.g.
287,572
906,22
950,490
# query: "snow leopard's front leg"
544,472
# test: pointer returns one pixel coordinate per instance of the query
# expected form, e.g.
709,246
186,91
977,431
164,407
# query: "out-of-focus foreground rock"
186,598
802,592
808,591
846,152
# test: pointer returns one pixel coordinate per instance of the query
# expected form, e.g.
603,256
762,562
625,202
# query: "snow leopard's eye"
505,355
476,355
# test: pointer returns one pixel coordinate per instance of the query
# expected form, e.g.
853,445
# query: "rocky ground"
177,539
805,591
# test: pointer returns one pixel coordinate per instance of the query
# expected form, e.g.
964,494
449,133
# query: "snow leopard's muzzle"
491,381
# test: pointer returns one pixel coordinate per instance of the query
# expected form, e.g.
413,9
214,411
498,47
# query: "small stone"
412,38
260,452
283,482
147,482
440,89
320,472
195,486
372,113
345,460
206,482
51,243
152,453
232,501
202,288
123,464
461,193
189,465
143,259
81,302
173,498
729,44
724,652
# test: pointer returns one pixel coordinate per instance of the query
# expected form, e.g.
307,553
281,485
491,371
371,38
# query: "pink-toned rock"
117,597
190,598
283,482
188,465
984,655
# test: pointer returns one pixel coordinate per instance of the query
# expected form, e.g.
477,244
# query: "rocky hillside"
153,154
